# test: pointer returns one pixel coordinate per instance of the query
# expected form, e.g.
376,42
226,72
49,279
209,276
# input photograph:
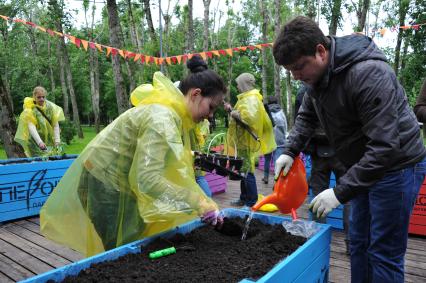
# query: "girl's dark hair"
201,77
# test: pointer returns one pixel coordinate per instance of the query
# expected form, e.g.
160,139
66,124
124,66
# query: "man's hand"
227,106
324,203
283,162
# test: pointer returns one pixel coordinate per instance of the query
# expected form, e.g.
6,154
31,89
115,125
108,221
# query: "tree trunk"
264,16
147,11
51,76
57,18
335,16
115,40
34,49
402,12
8,124
206,25
361,14
277,68
134,36
63,82
190,34
289,111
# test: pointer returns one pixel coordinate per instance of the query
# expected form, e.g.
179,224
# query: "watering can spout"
289,191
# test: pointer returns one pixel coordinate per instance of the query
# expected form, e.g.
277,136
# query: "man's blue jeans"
379,226
248,190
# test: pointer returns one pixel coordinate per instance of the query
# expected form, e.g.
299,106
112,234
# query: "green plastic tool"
163,252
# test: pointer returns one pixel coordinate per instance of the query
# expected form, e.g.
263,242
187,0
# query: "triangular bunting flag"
41,28
229,51
160,61
78,42
251,47
137,57
114,51
215,52
147,59
99,47
156,60
58,33
190,55
130,54
210,54
203,55
179,58
243,48
222,52
142,58
30,24
169,60
92,45
4,17
152,59
121,52
108,51
85,44
50,32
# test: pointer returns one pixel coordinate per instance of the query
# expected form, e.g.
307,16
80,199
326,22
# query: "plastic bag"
302,228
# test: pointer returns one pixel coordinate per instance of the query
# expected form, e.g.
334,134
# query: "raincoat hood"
245,82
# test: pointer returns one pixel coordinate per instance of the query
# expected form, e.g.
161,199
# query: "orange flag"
229,51
203,55
215,52
41,28
108,51
121,52
169,60
179,58
85,44
4,17
99,47
137,57
259,46
147,59
243,48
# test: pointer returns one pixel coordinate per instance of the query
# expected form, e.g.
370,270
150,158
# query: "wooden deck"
25,253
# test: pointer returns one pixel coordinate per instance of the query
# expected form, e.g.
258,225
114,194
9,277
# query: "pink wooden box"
216,183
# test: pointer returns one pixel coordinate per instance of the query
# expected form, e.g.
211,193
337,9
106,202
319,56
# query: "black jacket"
364,112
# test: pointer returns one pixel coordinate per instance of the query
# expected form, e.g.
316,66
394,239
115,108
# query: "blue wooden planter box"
26,183
309,263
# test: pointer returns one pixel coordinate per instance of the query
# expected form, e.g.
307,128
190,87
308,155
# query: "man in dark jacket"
356,98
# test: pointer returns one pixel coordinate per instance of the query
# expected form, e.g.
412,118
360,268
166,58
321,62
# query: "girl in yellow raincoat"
136,177
38,127
250,110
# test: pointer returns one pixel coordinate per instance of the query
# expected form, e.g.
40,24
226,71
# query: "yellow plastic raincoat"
32,113
133,180
253,113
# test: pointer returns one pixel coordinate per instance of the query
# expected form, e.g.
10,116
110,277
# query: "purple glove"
212,217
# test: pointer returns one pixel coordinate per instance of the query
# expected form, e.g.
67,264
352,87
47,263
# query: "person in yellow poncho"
136,177
38,128
250,110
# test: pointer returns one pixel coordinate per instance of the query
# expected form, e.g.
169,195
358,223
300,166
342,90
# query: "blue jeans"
202,182
274,156
248,190
379,226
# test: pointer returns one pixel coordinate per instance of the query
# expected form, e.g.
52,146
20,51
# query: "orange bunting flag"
72,38
99,47
229,51
215,52
18,21
190,56
41,28
160,61
108,51
85,44
169,60
147,59
4,17
58,33
203,55
259,46
179,58
156,60
137,57
243,48
121,52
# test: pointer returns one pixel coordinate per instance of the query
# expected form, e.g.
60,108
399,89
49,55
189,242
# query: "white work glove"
42,146
283,162
323,203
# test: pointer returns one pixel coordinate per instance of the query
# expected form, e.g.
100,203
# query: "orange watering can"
289,191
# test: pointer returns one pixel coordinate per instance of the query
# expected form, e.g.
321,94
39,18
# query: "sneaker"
237,203
265,180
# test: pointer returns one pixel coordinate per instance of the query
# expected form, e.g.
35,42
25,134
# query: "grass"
77,145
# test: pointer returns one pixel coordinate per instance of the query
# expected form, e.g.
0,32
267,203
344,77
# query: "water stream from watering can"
246,226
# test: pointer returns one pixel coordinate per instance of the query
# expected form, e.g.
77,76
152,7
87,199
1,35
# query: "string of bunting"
137,57
177,59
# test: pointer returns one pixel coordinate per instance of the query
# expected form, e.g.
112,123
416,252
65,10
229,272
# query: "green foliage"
68,131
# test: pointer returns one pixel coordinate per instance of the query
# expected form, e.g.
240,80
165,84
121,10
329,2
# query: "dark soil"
203,255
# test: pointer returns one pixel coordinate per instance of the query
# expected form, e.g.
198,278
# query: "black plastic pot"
235,164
